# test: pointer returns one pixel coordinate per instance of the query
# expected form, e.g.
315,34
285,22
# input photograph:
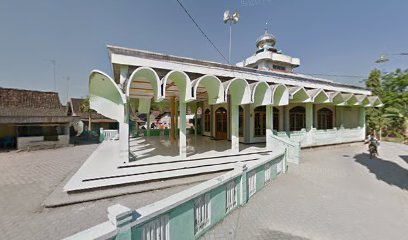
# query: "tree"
85,107
374,83
392,89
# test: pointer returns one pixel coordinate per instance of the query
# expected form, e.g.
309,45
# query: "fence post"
285,159
121,216
242,167
101,135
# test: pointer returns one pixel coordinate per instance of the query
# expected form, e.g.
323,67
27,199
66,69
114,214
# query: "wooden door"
221,124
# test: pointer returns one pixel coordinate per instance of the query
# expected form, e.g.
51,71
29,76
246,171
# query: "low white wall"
316,137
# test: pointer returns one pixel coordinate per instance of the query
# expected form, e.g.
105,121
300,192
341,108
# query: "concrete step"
155,175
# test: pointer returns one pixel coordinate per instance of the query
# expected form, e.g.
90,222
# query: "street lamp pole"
232,19
386,56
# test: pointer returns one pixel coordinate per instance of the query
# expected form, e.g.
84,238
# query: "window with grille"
251,183
324,119
297,118
260,121
277,67
267,172
202,212
207,120
231,191
157,229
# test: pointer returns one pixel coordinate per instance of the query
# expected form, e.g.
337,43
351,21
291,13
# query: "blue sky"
330,37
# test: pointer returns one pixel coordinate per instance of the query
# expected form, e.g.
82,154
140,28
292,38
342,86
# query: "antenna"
232,19
67,78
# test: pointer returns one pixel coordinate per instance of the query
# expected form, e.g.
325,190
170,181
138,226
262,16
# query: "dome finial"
266,40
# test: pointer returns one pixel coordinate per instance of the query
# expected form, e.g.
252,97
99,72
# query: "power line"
201,30
222,55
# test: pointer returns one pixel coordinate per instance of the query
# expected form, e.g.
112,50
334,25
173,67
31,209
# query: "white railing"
292,149
178,209
109,135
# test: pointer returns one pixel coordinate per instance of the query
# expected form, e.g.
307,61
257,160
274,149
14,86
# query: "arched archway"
298,95
297,118
261,93
239,90
324,118
144,83
208,88
221,123
106,98
280,95
177,84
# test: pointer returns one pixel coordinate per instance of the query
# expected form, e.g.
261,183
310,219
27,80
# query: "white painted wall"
350,117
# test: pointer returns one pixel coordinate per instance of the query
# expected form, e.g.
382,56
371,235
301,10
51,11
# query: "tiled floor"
157,158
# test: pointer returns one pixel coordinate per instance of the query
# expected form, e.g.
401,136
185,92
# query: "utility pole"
67,79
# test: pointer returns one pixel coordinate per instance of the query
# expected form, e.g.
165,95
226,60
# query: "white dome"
266,39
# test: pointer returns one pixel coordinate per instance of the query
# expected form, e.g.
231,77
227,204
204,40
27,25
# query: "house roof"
75,105
28,106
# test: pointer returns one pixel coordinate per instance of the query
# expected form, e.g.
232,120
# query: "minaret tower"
268,58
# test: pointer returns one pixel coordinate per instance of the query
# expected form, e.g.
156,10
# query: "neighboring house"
97,120
32,119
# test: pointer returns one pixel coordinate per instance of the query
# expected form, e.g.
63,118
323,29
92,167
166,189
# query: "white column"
286,117
148,124
195,119
123,74
235,128
309,116
341,117
269,126
183,138
172,121
124,137
361,121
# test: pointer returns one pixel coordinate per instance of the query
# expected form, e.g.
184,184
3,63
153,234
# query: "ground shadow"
404,157
278,235
152,146
384,170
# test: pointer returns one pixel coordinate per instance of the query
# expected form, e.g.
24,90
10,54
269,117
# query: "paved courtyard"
335,193
26,180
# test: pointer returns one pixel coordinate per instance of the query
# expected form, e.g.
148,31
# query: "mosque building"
259,105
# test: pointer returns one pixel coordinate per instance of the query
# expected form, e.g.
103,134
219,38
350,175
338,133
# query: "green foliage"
85,107
163,106
392,88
